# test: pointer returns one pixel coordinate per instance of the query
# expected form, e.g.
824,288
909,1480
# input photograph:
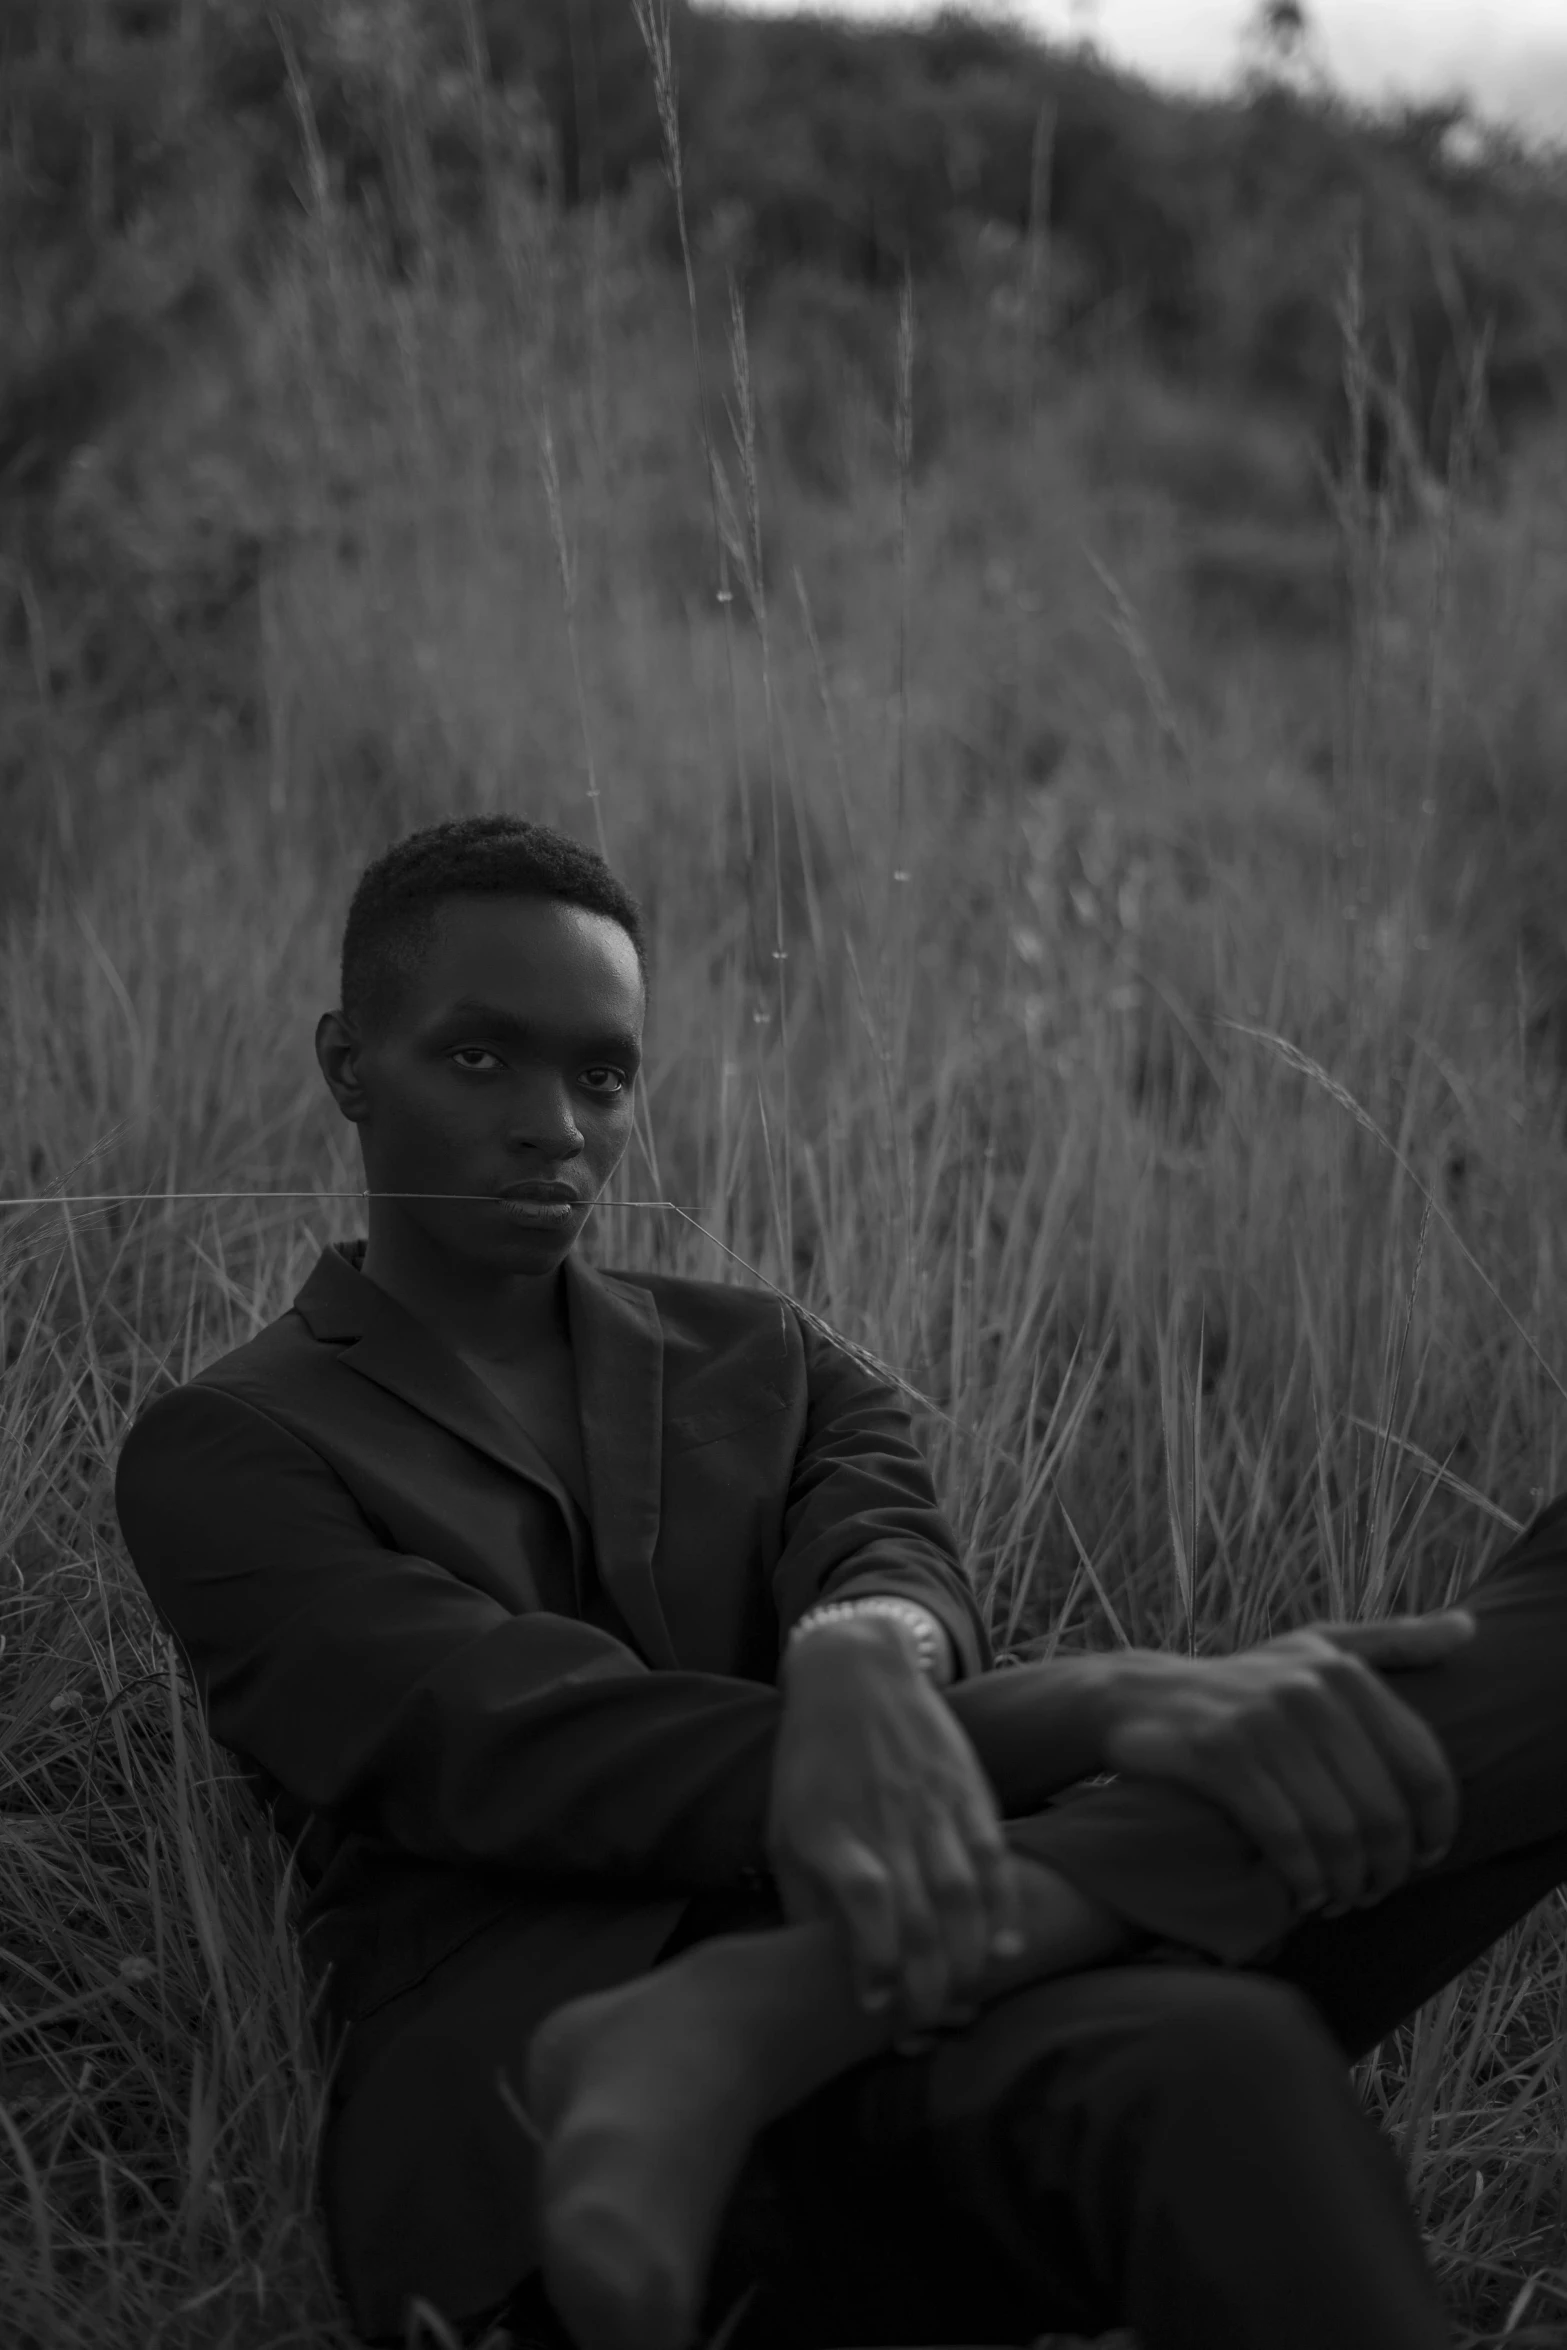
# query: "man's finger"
1263,1811
1414,1755
923,1976
863,1897
1293,1756
1404,1641
1383,1816
952,1887
999,1885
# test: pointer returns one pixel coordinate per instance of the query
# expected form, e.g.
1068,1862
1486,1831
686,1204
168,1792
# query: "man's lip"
541,1191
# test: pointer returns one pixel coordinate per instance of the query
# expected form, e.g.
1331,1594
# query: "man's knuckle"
908,1889
1253,1734
865,1896
949,1878
851,1863
1291,1851
872,1929
1255,1820
1390,1723
1396,1727
1430,1776
1386,1839
1424,1801
1218,1744
921,1938
1268,1708
865,1891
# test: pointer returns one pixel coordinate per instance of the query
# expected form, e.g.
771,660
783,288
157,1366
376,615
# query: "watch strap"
926,1629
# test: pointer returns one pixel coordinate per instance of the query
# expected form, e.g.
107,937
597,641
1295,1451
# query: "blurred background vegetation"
1215,341
157,157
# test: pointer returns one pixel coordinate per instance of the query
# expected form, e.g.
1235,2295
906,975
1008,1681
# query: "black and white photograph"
783,1175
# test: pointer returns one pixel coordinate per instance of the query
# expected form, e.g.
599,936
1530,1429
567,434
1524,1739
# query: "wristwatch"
929,1634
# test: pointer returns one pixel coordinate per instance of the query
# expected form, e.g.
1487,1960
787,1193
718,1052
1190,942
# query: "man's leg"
1366,1972
1175,1866
1498,1709
1175,2150
649,2098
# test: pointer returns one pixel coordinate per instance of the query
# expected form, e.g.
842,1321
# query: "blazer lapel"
618,1346
397,1351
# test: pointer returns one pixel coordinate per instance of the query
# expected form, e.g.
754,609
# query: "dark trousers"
1173,2147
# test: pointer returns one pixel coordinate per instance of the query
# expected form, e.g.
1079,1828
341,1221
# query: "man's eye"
473,1052
616,1076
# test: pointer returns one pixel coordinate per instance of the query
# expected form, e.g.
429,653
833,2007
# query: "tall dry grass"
1123,1037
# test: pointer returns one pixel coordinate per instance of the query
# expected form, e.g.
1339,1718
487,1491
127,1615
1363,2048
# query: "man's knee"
1141,2091
1121,2042
1232,2036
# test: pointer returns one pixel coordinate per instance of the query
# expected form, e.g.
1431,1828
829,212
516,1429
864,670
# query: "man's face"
511,1060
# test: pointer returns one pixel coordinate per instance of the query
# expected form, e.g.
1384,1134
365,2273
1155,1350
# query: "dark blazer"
459,1699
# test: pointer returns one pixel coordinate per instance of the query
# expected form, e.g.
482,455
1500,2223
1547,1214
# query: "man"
682,1863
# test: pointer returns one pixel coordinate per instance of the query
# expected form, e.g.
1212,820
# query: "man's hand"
1342,1787
882,1817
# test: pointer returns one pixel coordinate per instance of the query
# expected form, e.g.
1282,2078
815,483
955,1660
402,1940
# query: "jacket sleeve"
862,1513
384,1690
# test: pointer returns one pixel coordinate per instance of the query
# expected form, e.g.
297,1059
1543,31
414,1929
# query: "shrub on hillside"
821,163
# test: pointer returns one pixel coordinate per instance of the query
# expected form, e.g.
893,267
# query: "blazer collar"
618,1346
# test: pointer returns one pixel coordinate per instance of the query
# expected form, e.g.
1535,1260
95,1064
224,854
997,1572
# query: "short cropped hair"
391,916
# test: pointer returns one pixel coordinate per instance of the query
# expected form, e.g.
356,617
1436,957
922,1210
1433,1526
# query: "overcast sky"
1511,55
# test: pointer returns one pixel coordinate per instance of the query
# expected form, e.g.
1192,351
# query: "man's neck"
504,1320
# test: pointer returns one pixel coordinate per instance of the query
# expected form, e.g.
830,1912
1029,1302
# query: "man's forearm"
1164,1859
1037,1728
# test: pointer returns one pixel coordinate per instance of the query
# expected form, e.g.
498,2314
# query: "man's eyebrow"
504,1023
472,1007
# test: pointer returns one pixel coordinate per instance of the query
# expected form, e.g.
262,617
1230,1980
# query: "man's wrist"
1115,1684
869,1642
1094,1691
935,1651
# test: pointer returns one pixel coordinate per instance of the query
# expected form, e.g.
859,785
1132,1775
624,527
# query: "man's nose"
543,1118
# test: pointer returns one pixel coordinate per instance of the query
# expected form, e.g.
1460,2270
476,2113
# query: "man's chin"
534,1241
493,1237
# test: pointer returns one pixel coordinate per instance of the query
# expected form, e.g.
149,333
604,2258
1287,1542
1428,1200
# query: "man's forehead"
530,938
512,972
529,919
521,1016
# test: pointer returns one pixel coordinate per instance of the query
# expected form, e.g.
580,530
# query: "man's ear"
338,1047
